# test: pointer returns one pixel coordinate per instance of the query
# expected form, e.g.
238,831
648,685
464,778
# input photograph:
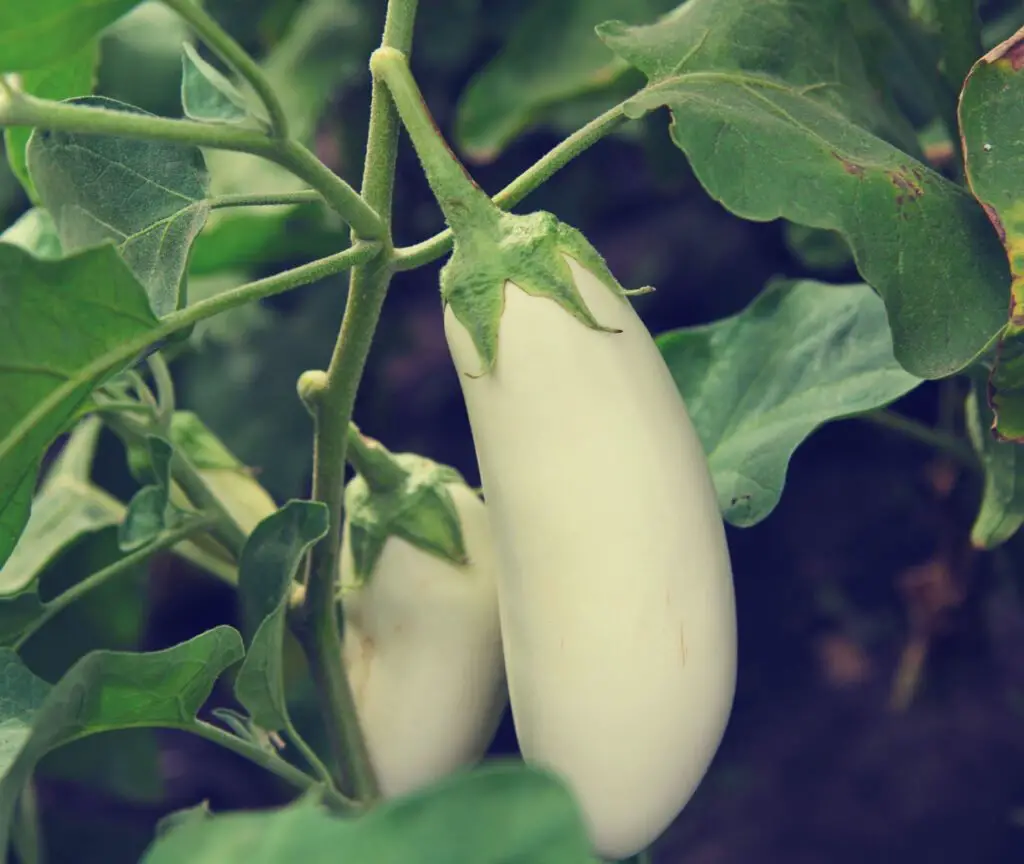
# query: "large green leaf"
772,106
71,76
111,616
104,691
44,32
1001,512
148,197
507,95
67,506
991,119
267,567
757,384
500,814
60,321
304,68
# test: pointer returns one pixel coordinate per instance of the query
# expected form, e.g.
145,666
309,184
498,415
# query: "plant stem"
269,761
269,199
225,47
166,539
356,211
26,110
164,390
317,618
411,257
176,321
224,527
465,205
299,743
373,462
960,34
934,438
288,280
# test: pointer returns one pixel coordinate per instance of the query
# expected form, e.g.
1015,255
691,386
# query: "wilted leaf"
991,119
771,104
757,384
499,814
148,197
60,323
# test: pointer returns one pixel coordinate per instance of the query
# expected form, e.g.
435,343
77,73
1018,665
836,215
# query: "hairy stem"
317,619
268,199
225,47
411,257
465,205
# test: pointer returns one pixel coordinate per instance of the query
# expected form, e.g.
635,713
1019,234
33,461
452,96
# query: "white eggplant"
422,647
615,588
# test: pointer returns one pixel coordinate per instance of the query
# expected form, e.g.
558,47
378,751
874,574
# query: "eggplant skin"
422,648
615,585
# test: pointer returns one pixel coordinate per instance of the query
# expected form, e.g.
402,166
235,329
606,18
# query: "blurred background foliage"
879,715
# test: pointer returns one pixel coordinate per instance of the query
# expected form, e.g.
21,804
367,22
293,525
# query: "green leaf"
206,95
1001,512
267,567
35,232
111,616
991,117
60,322
305,68
44,32
68,505
71,76
509,93
771,104
199,813
104,691
148,197
499,814
757,384
150,510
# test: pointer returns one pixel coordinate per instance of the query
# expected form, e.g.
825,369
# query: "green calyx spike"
400,495
491,248
528,252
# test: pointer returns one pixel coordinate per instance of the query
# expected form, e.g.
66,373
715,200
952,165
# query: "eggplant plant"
587,586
